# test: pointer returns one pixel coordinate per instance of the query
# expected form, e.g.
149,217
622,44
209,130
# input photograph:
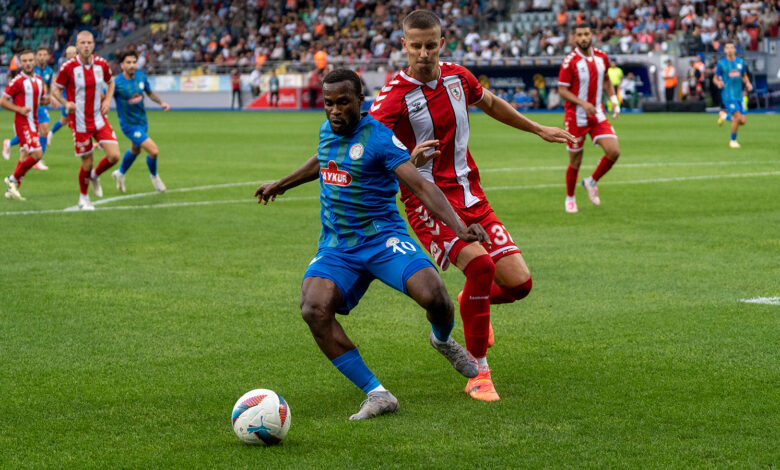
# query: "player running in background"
430,100
70,52
581,82
83,79
130,87
43,70
730,75
359,163
23,95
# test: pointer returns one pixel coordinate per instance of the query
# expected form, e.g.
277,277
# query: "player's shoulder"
69,64
96,59
599,53
451,68
18,78
570,57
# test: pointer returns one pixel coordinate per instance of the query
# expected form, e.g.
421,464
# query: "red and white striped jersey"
584,76
84,86
417,112
26,90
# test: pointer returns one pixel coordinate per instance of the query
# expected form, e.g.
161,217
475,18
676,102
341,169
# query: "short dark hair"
345,75
125,54
729,41
25,51
421,19
43,48
583,25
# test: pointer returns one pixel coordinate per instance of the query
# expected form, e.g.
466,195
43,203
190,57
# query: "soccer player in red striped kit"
429,101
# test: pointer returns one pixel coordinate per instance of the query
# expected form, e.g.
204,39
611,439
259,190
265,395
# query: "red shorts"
442,243
83,140
596,130
28,137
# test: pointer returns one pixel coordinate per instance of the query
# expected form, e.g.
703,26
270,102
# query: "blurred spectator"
670,80
628,91
256,79
235,85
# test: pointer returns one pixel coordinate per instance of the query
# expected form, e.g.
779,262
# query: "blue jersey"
358,185
46,73
129,95
731,71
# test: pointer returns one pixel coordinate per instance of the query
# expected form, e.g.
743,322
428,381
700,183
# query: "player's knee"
613,154
520,291
437,303
314,313
481,269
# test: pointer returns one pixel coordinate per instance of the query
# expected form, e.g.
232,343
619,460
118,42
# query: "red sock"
604,165
571,180
475,304
103,166
506,295
83,180
22,167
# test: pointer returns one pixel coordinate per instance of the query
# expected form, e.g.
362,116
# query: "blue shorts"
732,106
392,258
136,134
43,115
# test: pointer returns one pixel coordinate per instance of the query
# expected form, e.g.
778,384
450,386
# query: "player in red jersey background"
83,78
581,81
429,101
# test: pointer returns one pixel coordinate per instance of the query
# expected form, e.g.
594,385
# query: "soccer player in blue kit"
129,94
359,163
730,75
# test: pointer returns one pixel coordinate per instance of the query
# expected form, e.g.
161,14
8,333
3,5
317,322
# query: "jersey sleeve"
475,92
107,77
394,151
147,86
62,78
11,89
387,107
564,75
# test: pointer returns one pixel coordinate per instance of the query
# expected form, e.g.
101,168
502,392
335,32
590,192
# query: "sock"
475,304
23,167
571,180
14,141
482,362
379,388
604,165
733,136
505,295
442,332
83,181
56,127
728,117
102,167
127,161
351,365
152,164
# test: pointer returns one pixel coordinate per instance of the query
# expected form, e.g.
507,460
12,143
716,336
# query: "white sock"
92,174
380,388
589,181
570,198
482,362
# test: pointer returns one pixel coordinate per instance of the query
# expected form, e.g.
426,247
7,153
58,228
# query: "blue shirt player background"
129,97
47,74
731,72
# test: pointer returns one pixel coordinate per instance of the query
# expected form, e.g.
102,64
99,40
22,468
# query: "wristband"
614,100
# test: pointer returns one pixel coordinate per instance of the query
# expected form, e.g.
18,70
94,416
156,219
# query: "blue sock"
733,136
352,366
56,127
44,142
728,117
442,332
15,141
152,164
127,161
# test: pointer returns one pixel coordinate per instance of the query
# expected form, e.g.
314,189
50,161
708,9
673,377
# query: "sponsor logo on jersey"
734,74
356,151
417,106
135,99
332,175
455,91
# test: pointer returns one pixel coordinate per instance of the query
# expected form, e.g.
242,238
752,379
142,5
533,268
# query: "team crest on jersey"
392,241
455,91
141,86
332,175
137,134
356,151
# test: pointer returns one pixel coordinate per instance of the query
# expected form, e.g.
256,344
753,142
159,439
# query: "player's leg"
43,130
84,179
107,139
127,161
575,160
737,120
7,144
152,152
57,126
604,135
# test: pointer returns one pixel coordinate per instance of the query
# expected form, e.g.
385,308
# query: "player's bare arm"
718,81
56,93
106,104
156,98
424,152
566,94
746,82
23,110
309,171
436,203
502,111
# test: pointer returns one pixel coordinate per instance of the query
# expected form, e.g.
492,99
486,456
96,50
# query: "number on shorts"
500,235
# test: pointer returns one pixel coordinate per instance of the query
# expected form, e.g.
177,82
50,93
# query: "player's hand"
474,233
105,106
70,107
165,106
615,112
590,110
268,192
719,85
425,152
24,111
749,87
555,134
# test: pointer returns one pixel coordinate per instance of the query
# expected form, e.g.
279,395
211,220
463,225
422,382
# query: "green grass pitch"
127,334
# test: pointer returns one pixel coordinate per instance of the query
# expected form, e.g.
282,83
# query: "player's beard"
586,48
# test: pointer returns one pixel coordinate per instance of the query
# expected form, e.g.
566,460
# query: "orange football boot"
481,387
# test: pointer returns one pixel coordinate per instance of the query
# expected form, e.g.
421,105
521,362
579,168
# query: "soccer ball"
261,416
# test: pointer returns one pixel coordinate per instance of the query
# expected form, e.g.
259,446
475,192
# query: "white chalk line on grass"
310,198
626,165
762,300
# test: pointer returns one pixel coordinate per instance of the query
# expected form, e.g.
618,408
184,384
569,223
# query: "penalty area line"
762,300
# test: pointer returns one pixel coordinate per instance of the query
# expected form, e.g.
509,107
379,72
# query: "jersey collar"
432,84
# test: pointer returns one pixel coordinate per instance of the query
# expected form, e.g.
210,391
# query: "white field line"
284,198
625,165
762,300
